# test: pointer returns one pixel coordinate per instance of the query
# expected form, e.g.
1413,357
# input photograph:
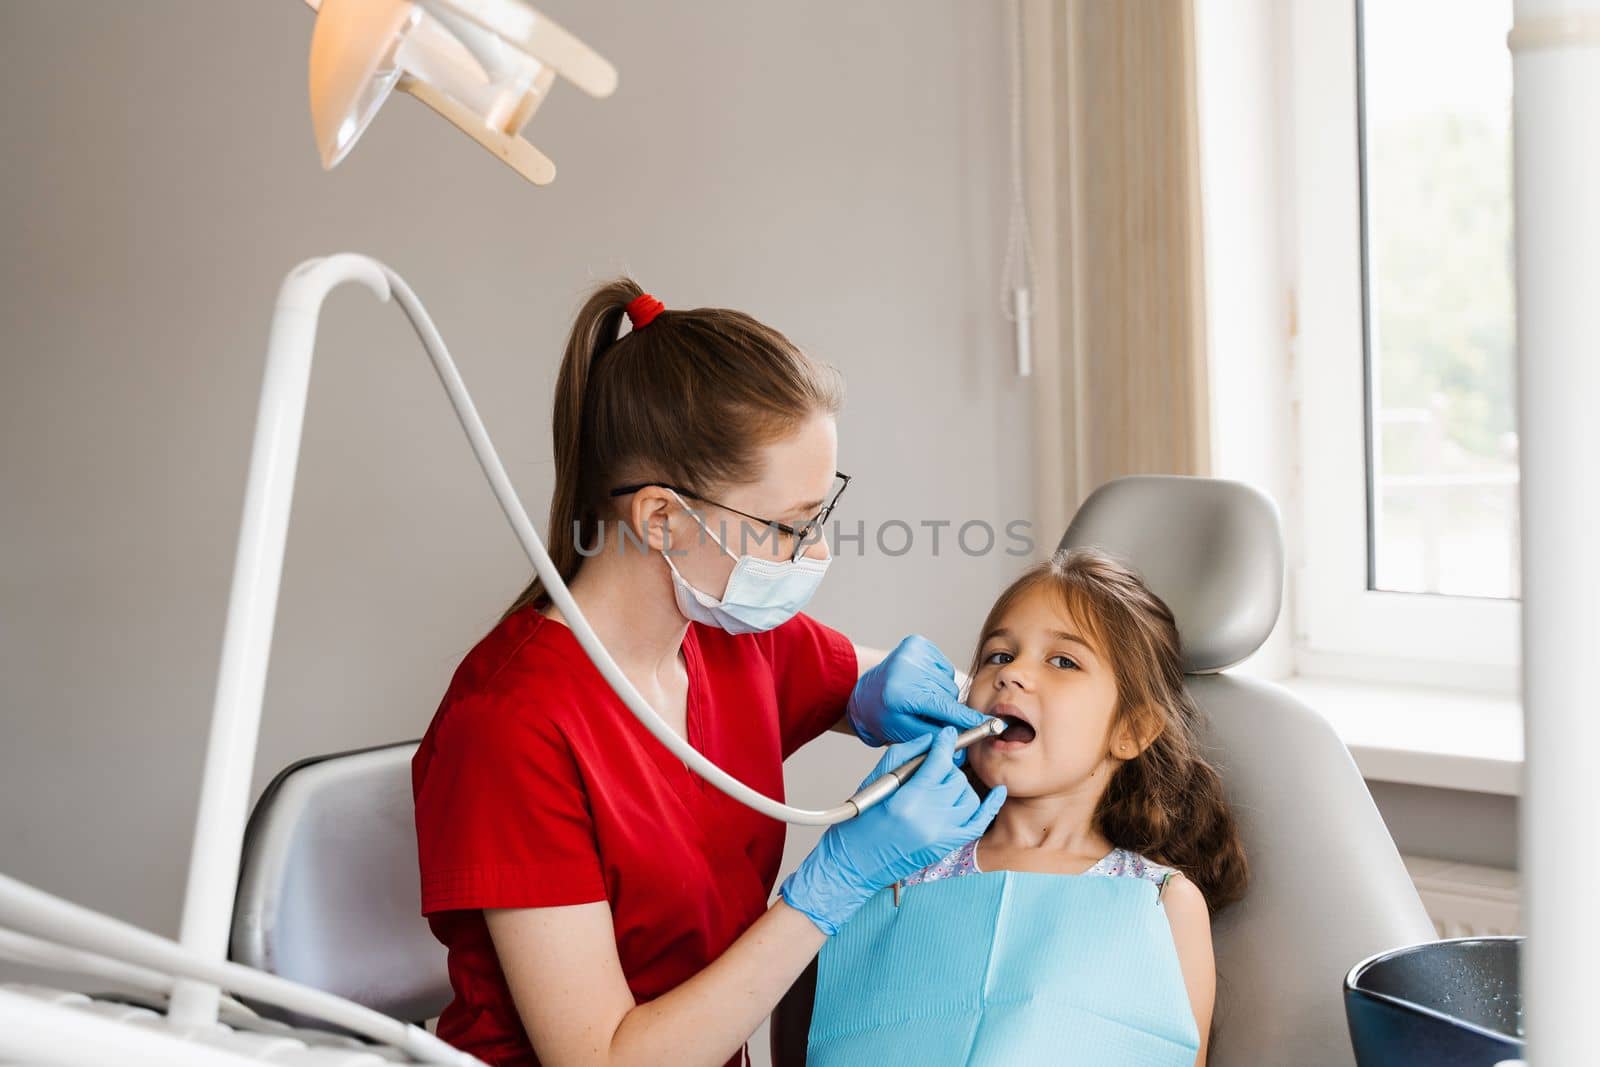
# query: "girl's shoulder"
1124,863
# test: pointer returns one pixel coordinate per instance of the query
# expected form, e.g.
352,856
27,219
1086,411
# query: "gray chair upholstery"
1212,549
1328,887
328,887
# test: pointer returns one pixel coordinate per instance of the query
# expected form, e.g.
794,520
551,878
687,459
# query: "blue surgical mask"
762,594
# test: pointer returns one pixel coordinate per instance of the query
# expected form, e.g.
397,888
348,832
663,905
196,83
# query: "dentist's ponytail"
594,331
688,398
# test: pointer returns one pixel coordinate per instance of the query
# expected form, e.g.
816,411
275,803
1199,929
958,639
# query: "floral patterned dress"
1118,863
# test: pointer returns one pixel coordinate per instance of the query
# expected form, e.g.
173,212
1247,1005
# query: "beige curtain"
1114,195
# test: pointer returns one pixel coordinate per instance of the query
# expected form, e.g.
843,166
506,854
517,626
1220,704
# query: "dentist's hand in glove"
910,694
923,821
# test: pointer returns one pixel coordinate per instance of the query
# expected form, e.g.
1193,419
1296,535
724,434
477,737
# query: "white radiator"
1464,900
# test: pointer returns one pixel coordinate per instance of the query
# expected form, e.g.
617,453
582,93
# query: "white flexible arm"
37,952
870,794
528,537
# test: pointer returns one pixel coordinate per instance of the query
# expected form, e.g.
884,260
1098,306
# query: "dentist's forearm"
707,1018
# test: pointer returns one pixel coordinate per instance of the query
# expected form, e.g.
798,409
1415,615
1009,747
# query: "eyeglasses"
807,533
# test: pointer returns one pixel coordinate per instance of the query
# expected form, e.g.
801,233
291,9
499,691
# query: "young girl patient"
1105,781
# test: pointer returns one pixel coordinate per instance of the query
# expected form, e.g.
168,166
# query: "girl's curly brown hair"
1166,803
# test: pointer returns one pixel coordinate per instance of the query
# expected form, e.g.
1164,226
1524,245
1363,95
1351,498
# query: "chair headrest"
1209,547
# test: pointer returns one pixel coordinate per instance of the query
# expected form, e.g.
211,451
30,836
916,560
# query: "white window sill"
1447,739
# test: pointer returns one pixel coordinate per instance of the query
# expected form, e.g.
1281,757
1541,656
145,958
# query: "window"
1399,149
1441,414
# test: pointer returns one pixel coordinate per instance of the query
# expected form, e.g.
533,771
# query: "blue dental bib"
1009,969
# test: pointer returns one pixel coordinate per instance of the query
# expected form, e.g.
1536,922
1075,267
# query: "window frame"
1341,626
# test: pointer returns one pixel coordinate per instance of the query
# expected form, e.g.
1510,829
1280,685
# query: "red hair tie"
643,309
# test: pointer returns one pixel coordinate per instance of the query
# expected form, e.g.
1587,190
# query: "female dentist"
602,904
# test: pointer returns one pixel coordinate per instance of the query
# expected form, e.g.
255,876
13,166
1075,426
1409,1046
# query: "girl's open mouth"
1018,732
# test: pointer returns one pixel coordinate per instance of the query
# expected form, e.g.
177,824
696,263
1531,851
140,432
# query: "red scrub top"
535,787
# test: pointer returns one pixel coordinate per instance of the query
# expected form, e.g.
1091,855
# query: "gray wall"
1450,824
836,169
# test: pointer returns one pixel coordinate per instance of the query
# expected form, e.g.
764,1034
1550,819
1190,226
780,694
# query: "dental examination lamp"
484,65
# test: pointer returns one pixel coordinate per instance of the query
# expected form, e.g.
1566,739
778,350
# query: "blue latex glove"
923,821
910,694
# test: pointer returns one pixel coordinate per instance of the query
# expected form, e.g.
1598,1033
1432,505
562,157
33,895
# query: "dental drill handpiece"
879,788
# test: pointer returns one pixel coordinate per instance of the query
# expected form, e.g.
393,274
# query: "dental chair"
329,893
328,889
1327,884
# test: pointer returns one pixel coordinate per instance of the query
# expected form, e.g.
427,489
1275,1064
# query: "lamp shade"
485,65
353,68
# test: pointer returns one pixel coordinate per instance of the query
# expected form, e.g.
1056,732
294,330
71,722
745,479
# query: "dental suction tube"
561,596
873,793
